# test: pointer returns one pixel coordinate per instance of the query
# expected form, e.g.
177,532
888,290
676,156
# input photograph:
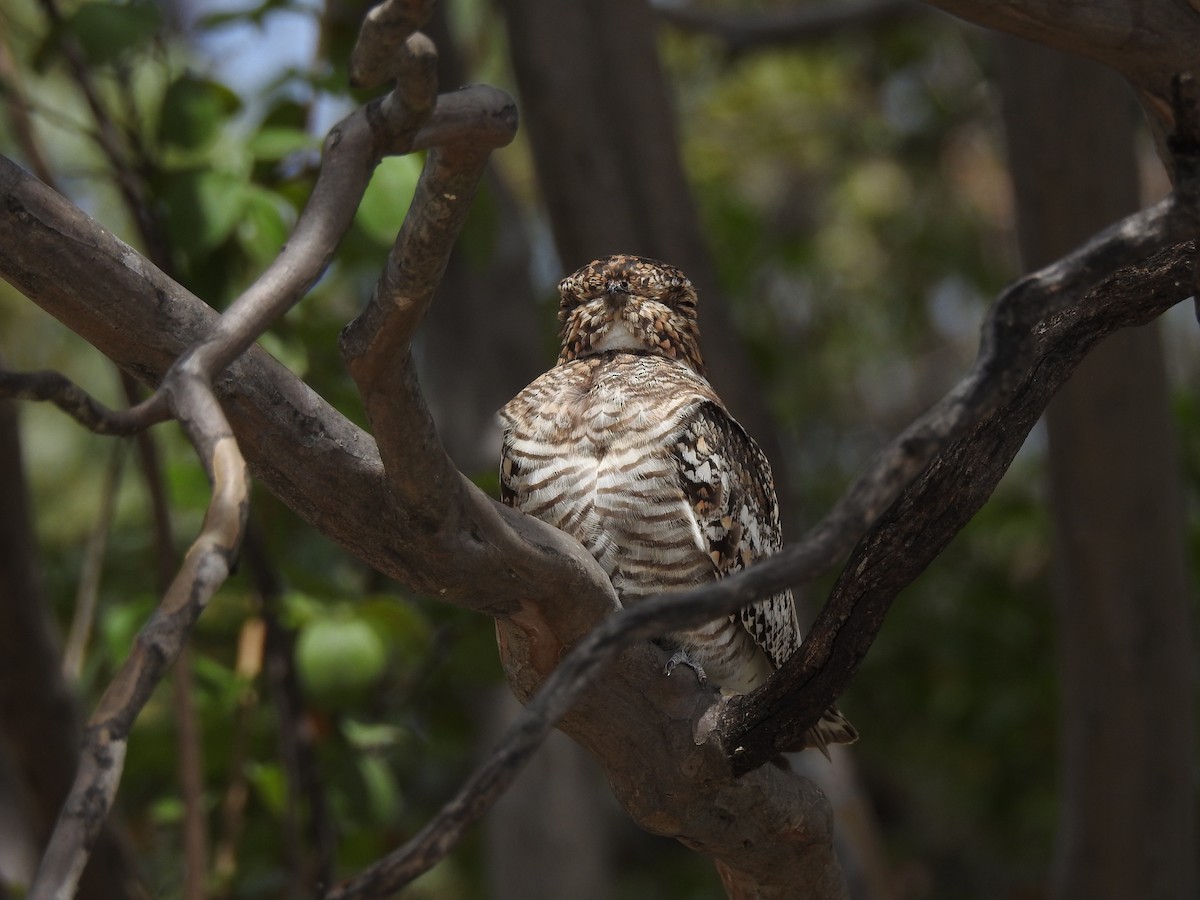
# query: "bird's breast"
595,460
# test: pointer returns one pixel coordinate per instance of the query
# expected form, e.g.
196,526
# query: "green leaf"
203,207
167,811
270,784
373,737
106,31
274,143
388,196
263,228
194,111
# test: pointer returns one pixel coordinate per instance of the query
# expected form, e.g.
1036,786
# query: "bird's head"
629,303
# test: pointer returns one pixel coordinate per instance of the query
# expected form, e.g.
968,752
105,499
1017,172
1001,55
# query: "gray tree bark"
1126,826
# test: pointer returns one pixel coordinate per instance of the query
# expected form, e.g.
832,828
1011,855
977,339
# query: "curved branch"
352,150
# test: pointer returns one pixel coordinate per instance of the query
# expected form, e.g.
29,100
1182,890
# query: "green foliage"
104,32
386,200
194,111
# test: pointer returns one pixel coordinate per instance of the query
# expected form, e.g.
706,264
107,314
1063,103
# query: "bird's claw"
680,656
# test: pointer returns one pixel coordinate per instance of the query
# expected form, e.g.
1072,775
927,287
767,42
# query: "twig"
312,870
108,138
191,777
80,405
237,788
20,123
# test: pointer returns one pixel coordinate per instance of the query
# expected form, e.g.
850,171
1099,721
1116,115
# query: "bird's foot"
680,656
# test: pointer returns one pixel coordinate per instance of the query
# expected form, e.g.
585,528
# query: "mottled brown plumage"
625,446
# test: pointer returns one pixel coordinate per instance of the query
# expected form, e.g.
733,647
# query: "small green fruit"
340,661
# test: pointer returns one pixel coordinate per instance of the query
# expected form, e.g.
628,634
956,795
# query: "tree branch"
78,403
88,589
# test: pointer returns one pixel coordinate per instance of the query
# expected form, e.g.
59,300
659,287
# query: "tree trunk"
1126,826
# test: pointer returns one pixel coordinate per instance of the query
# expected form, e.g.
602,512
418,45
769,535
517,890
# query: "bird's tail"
832,728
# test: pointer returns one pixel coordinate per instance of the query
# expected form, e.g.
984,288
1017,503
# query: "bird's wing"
728,483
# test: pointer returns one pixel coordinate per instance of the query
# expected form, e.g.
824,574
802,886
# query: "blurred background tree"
842,199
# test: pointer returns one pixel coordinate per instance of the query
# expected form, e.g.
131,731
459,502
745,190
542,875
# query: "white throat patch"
617,337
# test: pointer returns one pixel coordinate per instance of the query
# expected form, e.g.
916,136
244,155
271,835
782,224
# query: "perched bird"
625,446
